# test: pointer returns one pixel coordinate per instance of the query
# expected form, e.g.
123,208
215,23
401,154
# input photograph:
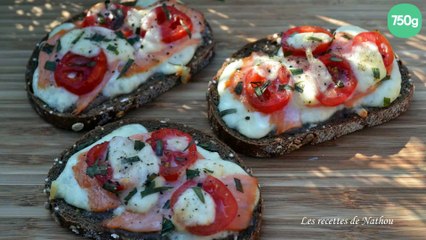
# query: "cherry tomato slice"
79,74
226,205
383,45
112,18
344,81
173,162
321,48
264,95
174,24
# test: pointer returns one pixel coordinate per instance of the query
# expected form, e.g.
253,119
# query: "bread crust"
88,224
341,123
103,110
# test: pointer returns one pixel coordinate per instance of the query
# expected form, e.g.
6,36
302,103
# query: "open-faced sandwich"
153,180
306,86
115,57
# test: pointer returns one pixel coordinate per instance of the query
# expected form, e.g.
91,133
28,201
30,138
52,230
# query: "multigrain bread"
341,123
103,110
87,223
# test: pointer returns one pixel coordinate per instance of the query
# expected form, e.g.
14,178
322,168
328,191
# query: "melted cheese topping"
304,108
305,40
189,210
118,52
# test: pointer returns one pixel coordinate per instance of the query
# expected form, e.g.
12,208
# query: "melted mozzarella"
189,210
304,40
66,186
177,143
141,204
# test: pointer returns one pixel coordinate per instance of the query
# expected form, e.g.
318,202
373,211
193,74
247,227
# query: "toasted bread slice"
103,110
88,224
341,123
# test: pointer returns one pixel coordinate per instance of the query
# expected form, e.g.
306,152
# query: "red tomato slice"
97,155
382,43
321,48
344,81
173,163
111,18
174,24
79,74
264,95
226,205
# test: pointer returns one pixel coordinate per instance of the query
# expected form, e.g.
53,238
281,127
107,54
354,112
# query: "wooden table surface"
372,173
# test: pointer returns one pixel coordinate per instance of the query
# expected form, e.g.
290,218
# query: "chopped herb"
132,41
376,73
199,193
113,49
126,67
167,227
138,145
260,90
110,187
206,170
287,54
101,18
96,169
151,178
131,159
77,38
58,45
387,77
191,174
91,64
187,30
149,191
228,111
138,31
166,11
239,88
315,39
189,145
386,102
166,205
283,87
296,71
340,84
98,38
336,59
120,34
346,36
159,148
299,87
130,195
50,65
238,185
107,2
47,48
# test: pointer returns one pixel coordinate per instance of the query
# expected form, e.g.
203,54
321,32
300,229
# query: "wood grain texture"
376,172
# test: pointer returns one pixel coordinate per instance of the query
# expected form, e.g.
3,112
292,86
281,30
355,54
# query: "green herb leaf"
96,169
138,145
346,36
386,102
376,73
299,87
91,64
167,227
340,84
113,49
120,34
199,193
166,11
336,59
47,48
159,148
283,87
315,39
50,66
238,185
166,205
131,159
260,90
126,68
191,174
77,38
130,195
101,18
286,54
58,45
110,187
187,30
387,77
149,191
206,170
239,88
138,31
296,71
228,111
132,41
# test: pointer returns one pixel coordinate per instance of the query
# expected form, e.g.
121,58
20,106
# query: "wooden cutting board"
372,173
